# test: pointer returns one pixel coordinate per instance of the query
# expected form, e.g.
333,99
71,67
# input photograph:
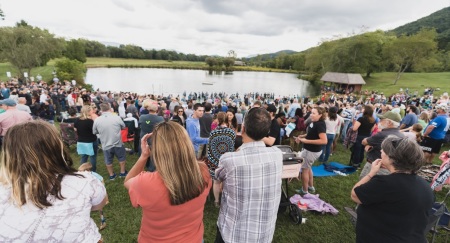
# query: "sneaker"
301,192
122,175
113,177
311,189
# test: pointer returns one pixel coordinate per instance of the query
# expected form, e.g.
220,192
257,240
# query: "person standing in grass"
87,145
173,197
389,123
108,127
193,128
312,147
434,134
394,207
331,123
364,125
251,179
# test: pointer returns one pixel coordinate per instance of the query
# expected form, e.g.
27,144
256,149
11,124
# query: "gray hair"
406,155
393,124
105,107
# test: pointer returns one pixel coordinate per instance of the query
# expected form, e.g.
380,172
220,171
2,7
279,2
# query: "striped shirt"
251,192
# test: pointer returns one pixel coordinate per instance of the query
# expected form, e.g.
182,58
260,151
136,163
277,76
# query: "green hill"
268,56
439,20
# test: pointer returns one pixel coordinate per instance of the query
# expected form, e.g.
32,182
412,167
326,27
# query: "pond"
177,81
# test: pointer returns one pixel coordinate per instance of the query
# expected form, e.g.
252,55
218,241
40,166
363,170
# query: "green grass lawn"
45,71
123,221
103,62
384,82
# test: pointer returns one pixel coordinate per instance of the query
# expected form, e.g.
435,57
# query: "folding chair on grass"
439,220
127,139
68,134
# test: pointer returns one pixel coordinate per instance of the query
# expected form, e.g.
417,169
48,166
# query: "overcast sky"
213,27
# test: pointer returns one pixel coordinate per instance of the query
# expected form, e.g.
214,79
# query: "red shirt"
161,221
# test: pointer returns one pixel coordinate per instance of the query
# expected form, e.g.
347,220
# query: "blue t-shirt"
5,93
439,123
409,120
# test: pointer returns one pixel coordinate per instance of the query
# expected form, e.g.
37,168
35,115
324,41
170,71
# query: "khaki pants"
201,151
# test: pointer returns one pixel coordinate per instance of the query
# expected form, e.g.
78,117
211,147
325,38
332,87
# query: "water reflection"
176,81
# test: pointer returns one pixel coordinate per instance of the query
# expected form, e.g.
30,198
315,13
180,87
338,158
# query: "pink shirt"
12,117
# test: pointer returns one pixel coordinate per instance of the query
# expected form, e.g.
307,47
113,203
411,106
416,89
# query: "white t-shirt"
67,220
331,125
411,136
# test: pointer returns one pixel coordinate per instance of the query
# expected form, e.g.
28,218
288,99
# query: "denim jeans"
358,151
326,149
344,130
93,158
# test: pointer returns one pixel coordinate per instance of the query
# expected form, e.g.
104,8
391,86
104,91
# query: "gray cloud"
124,5
310,16
216,26
134,25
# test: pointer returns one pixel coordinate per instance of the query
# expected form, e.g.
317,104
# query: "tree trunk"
400,72
29,74
368,74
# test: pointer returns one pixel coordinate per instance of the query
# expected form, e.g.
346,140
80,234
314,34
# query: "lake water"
177,81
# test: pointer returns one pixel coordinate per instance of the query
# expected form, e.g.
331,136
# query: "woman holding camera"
173,197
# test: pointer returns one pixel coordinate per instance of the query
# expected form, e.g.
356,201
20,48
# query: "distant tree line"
220,63
97,49
27,47
366,53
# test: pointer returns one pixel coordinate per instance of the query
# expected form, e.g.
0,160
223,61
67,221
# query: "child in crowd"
414,133
87,167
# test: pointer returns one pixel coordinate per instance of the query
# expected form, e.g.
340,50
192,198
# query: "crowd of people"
189,144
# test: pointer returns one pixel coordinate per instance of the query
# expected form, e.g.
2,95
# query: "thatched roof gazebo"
344,81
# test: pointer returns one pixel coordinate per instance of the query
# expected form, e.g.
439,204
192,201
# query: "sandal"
217,204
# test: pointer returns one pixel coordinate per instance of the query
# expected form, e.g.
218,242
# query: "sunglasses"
180,111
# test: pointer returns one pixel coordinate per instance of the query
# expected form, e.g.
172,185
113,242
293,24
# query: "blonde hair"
176,163
34,167
150,105
85,112
424,116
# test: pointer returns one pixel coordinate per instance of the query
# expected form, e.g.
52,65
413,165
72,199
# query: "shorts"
431,145
309,158
118,151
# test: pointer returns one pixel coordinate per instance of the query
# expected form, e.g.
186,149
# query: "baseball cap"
8,102
442,107
390,115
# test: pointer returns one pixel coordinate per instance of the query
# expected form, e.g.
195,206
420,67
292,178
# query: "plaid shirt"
251,192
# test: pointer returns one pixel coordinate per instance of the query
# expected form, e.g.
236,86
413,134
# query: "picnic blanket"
314,203
332,169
